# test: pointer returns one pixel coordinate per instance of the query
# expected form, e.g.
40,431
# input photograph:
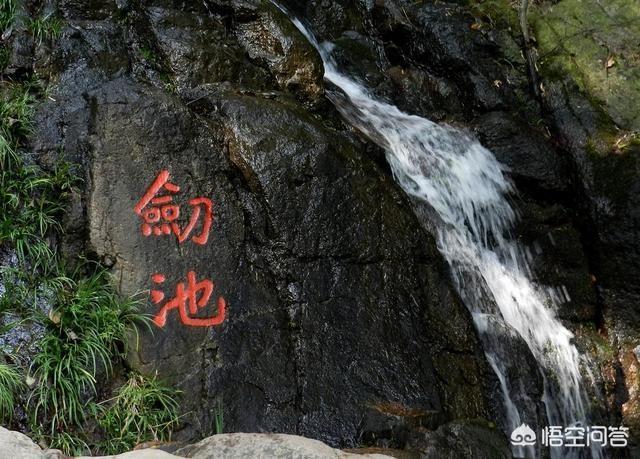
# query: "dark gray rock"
330,280
558,258
460,440
337,299
271,38
526,153
606,186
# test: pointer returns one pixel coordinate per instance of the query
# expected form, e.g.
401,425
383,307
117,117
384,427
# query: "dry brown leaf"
54,316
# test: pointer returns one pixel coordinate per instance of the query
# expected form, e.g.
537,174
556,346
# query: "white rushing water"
467,188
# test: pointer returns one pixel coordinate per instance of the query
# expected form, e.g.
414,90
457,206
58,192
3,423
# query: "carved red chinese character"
189,298
160,214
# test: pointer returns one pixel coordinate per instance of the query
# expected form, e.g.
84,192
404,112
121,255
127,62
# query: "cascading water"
467,188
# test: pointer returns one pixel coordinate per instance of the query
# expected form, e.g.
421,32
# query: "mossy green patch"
598,346
596,44
500,14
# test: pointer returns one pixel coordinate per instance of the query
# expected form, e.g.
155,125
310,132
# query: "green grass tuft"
142,410
219,417
68,442
30,199
87,330
89,326
10,383
7,13
43,28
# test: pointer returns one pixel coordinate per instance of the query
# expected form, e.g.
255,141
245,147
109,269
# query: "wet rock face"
577,188
336,299
607,184
462,440
250,43
337,302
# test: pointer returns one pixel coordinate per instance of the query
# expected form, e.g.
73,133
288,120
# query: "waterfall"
468,189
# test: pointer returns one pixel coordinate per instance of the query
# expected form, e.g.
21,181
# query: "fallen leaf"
610,62
54,316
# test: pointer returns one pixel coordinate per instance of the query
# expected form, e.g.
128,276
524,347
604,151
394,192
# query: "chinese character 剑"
160,214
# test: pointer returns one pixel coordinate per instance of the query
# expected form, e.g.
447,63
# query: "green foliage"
16,111
142,410
7,13
46,27
30,200
89,325
5,56
68,442
219,418
495,13
148,54
10,383
87,330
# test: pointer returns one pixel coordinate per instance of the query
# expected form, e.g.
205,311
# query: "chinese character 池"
189,298
160,214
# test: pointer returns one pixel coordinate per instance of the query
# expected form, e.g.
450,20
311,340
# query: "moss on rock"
595,43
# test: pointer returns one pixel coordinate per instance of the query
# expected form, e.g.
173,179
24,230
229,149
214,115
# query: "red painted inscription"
190,297
160,214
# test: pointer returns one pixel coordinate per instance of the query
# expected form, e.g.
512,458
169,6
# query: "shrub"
86,332
10,383
142,410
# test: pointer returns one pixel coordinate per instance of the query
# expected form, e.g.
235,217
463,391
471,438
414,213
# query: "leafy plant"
44,27
68,442
87,330
30,199
5,57
142,410
16,111
88,327
147,54
7,13
219,417
10,383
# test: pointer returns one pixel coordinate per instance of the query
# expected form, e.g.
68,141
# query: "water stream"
468,190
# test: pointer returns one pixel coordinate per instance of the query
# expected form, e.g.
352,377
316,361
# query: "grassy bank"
78,324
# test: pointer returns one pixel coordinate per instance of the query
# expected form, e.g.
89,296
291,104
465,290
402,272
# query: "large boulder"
321,296
227,446
18,446
571,152
243,445
460,440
